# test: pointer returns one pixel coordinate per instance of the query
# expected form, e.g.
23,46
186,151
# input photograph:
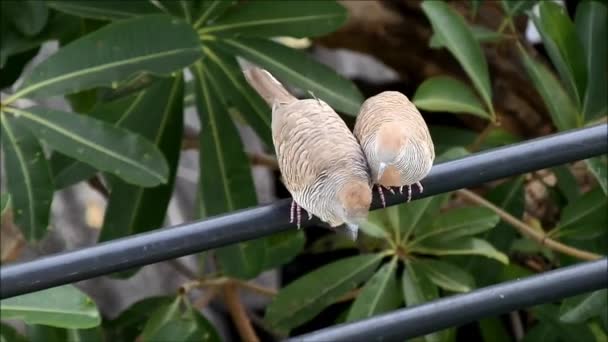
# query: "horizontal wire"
193,237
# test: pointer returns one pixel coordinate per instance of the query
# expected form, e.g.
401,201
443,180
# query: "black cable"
172,242
456,310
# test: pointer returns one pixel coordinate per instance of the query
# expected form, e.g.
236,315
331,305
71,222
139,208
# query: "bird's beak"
381,171
353,230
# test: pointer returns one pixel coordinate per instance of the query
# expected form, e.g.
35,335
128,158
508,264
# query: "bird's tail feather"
271,90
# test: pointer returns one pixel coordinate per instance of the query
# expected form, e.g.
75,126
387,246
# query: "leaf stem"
528,231
238,313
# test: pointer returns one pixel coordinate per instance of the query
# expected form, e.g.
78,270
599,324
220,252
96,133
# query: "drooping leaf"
296,68
585,218
598,167
445,275
380,294
590,21
447,94
580,308
460,222
226,183
237,92
480,33
63,306
563,47
287,18
560,106
455,32
113,53
28,16
462,246
107,148
170,322
28,179
516,7
418,289
105,9
157,116
282,247
308,295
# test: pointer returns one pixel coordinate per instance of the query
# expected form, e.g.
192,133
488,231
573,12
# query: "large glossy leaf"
590,21
283,247
114,53
447,94
172,323
580,308
563,47
598,167
561,108
105,9
463,246
380,294
308,295
63,306
225,183
107,148
445,275
235,90
28,16
287,18
455,32
585,218
28,179
418,289
157,117
481,34
296,68
460,222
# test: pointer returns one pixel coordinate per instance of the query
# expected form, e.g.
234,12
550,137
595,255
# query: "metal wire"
456,310
172,242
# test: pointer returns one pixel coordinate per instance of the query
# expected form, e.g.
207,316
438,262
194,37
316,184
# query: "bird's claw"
382,196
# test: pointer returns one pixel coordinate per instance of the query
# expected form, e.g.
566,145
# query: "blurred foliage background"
483,73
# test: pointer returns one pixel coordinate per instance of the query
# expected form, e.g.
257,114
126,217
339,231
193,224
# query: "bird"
321,163
396,142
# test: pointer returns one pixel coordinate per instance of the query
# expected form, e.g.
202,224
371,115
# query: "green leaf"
226,183
445,275
171,323
5,202
563,47
580,308
418,289
446,137
447,94
99,144
480,33
452,29
590,21
113,53
380,294
585,218
566,183
561,108
45,333
417,215
549,314
298,69
331,242
28,16
211,10
515,7
598,167
104,9
377,224
286,18
283,247
308,295
497,137
63,306
28,179
9,334
492,329
128,326
463,246
235,90
460,222
157,116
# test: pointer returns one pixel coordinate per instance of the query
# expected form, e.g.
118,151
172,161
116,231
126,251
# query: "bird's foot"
420,188
296,211
381,193
389,189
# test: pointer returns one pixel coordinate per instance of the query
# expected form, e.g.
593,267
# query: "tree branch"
238,314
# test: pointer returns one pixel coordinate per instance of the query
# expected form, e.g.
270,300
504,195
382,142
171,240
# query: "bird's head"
355,199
